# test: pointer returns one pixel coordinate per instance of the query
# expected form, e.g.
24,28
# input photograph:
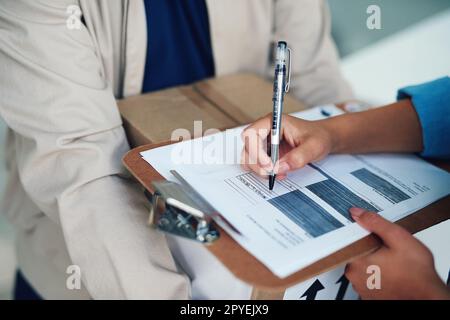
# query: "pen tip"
271,181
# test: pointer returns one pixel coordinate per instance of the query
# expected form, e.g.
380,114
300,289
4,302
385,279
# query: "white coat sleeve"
69,145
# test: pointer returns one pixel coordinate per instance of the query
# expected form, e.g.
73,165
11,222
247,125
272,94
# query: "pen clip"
288,83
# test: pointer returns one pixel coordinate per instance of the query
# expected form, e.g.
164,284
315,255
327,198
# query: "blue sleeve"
432,103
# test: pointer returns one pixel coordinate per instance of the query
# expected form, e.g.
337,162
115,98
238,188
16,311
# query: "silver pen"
281,84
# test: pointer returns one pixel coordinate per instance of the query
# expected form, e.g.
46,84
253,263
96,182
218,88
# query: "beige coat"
67,194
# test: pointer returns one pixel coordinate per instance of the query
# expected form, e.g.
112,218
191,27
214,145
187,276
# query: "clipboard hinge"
174,210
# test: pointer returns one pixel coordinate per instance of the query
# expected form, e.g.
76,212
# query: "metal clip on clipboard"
179,210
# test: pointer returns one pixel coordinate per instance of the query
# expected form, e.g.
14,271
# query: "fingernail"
283,168
268,167
265,162
356,212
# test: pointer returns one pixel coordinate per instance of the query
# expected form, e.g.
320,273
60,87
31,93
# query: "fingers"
302,148
356,274
391,234
255,137
356,271
256,168
361,263
298,157
252,165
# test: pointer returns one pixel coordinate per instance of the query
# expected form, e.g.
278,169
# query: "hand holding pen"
301,142
290,146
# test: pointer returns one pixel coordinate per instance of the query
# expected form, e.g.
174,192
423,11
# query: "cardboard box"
220,103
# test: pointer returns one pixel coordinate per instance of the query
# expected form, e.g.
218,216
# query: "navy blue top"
179,44
432,103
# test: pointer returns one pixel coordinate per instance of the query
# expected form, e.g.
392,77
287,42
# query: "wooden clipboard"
248,269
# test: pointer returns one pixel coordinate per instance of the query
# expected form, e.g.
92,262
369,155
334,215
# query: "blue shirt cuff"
432,103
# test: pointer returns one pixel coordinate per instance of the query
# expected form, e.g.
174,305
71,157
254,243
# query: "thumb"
391,234
296,158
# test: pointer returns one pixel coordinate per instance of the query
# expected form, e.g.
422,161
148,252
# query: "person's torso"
241,38
240,33
178,44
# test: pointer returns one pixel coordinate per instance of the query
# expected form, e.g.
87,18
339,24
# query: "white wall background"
414,55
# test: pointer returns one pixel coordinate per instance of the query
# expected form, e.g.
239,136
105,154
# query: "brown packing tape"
244,97
220,103
153,117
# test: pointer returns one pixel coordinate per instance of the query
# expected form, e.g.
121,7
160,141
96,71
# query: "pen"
325,113
280,87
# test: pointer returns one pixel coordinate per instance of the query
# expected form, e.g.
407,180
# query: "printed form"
306,216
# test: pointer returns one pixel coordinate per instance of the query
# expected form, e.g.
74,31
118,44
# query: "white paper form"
305,217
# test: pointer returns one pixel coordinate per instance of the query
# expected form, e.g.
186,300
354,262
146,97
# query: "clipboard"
247,268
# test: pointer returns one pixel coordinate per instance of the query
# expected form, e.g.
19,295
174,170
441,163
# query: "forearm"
393,128
105,230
